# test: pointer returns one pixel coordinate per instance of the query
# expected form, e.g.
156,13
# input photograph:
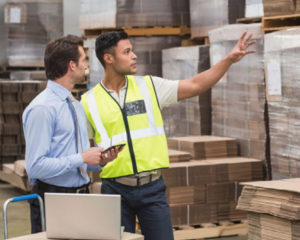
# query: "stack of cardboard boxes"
273,209
206,188
15,96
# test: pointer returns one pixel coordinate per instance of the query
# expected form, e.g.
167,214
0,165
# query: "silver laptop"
83,216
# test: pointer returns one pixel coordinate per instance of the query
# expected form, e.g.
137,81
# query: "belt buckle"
144,180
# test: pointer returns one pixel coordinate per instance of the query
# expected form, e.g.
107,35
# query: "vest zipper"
124,115
129,141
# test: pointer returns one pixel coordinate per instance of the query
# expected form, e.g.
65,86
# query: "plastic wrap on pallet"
281,59
279,7
3,35
96,71
147,49
254,8
71,12
133,13
191,116
208,15
238,99
30,25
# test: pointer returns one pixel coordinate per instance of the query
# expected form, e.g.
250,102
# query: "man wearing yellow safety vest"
126,109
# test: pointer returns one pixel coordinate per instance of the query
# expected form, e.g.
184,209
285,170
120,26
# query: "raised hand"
240,49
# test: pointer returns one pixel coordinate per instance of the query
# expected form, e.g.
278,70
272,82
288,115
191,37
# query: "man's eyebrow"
126,49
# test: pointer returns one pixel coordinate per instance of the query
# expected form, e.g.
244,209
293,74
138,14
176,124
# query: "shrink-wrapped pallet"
191,116
208,15
30,25
96,70
133,13
147,49
281,59
254,8
238,99
71,12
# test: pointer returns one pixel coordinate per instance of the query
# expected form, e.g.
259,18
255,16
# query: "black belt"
45,187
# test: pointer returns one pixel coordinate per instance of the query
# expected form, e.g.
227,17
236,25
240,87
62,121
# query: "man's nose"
134,56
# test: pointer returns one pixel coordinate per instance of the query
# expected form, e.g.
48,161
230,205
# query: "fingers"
113,153
249,37
243,36
250,51
109,155
251,42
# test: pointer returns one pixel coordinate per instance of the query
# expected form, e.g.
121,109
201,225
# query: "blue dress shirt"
51,148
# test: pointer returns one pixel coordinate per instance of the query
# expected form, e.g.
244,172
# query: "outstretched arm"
203,81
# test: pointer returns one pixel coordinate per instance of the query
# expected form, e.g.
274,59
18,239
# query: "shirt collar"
59,90
110,90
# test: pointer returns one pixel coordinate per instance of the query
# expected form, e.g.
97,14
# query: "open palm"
240,49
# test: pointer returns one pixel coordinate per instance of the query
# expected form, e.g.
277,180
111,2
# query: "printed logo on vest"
136,107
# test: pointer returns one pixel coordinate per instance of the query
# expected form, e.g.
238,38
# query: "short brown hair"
58,53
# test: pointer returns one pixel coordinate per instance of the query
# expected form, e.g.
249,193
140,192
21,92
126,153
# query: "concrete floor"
19,214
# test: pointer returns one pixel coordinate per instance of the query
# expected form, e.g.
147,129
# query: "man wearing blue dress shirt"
57,145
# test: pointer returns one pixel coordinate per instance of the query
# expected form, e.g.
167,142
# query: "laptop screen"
83,216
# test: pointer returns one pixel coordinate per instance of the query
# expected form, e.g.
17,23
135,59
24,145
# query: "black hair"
106,41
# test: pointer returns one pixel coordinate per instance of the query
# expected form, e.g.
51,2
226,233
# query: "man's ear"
72,65
108,58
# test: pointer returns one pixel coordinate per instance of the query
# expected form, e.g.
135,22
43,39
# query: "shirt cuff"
77,160
96,168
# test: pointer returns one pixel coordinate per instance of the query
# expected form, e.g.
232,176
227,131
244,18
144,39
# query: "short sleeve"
166,90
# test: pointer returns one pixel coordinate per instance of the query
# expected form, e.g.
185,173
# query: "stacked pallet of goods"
205,188
208,15
30,25
191,116
238,100
281,56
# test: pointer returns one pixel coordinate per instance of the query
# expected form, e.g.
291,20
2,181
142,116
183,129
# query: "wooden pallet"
209,230
195,41
147,31
276,23
249,20
20,68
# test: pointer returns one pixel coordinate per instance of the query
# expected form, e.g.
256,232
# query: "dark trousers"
149,203
40,188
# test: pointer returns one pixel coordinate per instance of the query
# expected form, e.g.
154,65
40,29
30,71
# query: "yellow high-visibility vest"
138,124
